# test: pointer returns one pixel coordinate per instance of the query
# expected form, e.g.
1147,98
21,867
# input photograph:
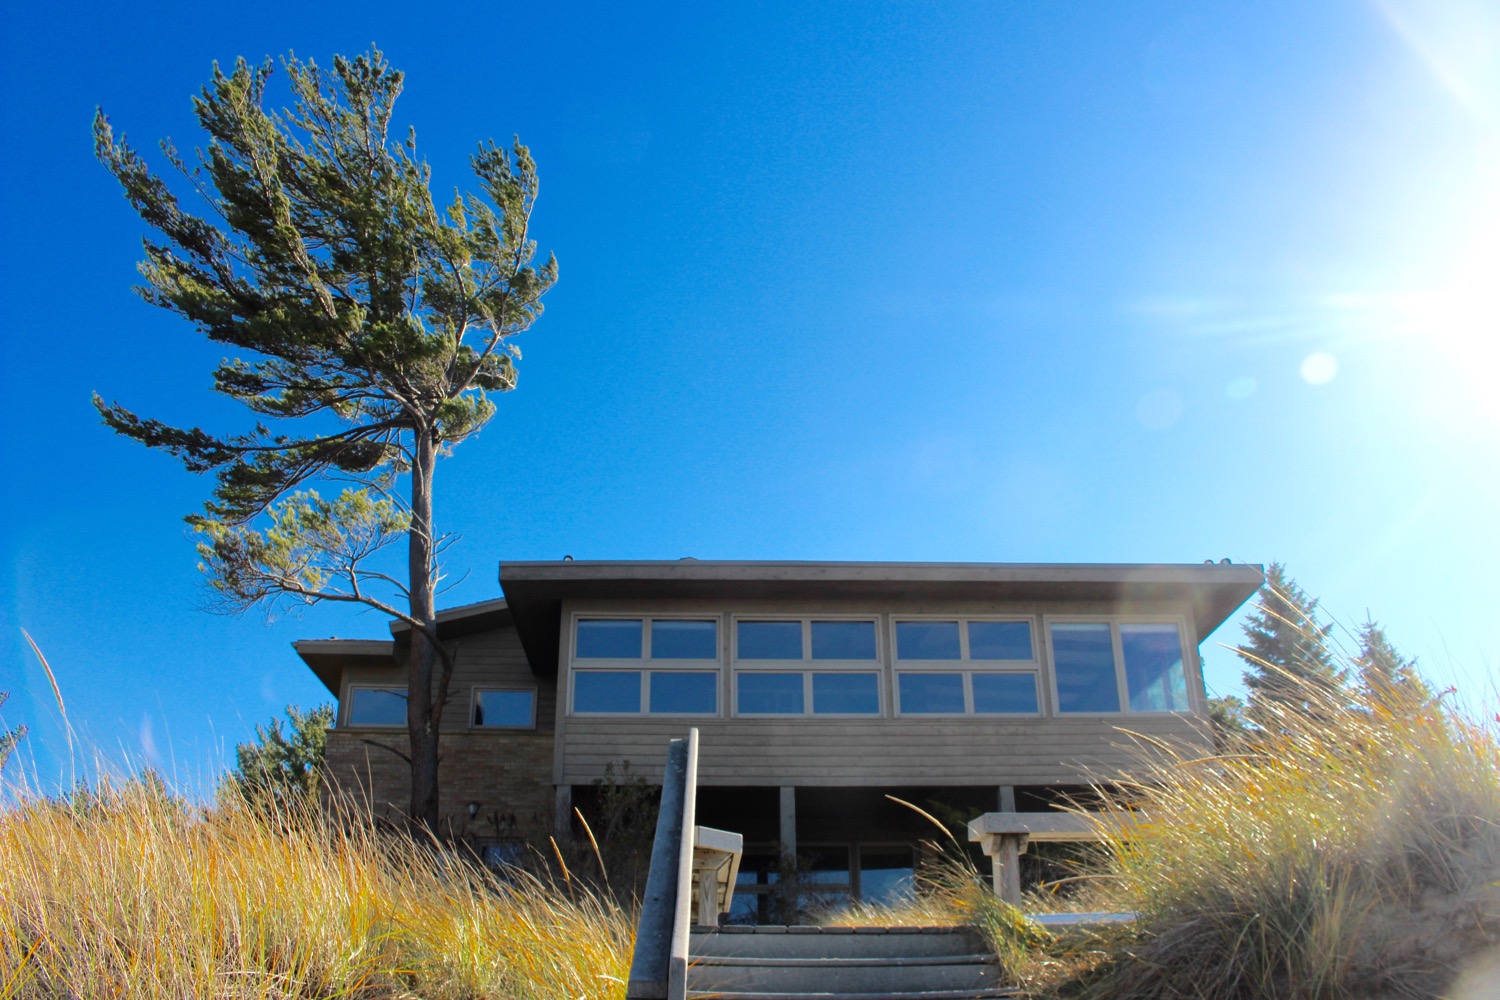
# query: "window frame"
346,705
645,664
966,666
479,689
807,666
1192,679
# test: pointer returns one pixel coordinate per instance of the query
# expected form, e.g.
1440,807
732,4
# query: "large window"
376,706
1101,666
631,666
806,666
965,666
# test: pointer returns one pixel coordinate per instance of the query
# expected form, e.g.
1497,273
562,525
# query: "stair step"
894,974
874,961
995,993
837,942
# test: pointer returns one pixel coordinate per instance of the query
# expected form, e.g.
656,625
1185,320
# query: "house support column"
1007,799
788,821
562,814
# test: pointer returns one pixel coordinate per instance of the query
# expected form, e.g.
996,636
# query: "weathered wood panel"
877,751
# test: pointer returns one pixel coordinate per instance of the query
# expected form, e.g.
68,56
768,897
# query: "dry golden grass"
1357,855
131,893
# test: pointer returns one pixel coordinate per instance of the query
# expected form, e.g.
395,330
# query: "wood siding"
875,751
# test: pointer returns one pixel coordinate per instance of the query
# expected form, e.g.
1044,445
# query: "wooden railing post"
658,969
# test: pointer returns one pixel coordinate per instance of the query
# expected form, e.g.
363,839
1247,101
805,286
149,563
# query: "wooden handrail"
658,968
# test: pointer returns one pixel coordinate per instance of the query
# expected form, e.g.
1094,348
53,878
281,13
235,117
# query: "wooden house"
819,689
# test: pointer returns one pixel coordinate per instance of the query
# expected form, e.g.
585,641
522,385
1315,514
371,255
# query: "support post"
788,820
562,814
1007,798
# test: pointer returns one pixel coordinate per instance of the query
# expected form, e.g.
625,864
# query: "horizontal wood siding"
876,751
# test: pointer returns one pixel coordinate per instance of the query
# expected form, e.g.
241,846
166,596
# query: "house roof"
534,591
329,658
463,619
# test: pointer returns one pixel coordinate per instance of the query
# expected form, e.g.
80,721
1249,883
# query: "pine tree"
1386,678
1291,668
371,324
284,765
1226,719
8,737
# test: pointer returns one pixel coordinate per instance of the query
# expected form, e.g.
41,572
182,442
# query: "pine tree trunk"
421,720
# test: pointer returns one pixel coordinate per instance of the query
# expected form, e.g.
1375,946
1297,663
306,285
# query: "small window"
846,693
927,641
931,693
769,693
1084,657
609,639
505,709
769,640
684,692
684,640
843,640
377,706
607,691
1004,694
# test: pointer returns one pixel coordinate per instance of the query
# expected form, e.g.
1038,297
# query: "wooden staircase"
678,957
848,963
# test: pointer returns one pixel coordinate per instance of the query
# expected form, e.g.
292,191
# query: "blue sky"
1057,282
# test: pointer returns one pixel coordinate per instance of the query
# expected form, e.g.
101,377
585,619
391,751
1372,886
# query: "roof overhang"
462,620
535,590
329,658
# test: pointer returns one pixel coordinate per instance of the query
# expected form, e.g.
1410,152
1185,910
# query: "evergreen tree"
1386,678
370,326
1286,650
8,737
284,765
1226,719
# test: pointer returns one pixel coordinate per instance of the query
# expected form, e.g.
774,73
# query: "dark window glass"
769,693
680,691
846,694
377,707
607,691
1153,668
676,640
1000,641
999,694
942,694
927,641
511,709
843,640
769,640
886,874
1085,662
609,639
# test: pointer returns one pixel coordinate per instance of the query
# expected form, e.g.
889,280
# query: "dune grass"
130,892
1355,853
